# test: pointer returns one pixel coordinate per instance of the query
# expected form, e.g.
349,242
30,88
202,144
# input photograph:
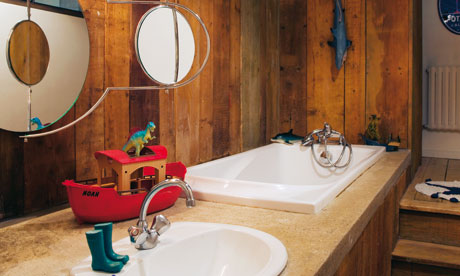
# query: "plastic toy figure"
139,138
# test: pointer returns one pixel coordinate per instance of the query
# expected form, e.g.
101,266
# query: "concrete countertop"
316,243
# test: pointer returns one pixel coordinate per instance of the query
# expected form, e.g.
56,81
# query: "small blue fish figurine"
286,138
340,42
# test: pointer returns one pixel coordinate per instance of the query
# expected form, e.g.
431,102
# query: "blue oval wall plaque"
449,12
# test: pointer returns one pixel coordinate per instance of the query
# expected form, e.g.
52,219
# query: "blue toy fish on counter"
286,138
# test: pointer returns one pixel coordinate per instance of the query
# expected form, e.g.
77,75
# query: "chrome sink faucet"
323,135
141,235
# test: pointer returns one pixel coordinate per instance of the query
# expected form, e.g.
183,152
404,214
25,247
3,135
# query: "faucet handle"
133,233
160,224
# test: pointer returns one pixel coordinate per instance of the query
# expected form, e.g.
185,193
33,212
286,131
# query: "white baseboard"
441,144
451,154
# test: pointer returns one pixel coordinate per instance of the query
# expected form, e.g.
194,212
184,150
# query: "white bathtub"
278,177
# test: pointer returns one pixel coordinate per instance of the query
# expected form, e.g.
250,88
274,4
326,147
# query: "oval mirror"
165,45
56,72
28,52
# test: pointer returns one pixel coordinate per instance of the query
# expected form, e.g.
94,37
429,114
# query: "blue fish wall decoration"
340,42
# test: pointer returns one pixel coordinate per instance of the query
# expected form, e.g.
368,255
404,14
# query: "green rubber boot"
100,260
107,233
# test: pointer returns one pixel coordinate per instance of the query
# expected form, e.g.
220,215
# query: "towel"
440,189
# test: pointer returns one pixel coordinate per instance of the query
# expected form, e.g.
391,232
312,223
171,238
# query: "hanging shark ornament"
340,42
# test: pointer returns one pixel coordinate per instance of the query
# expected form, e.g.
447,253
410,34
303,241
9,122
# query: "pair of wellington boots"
100,245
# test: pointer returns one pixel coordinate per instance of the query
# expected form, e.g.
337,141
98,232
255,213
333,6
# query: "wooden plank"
90,131
293,65
206,89
431,206
48,161
417,73
221,94
187,103
143,104
325,84
427,253
436,170
166,125
270,64
387,58
251,98
401,268
235,142
453,170
371,254
430,227
399,191
355,71
12,174
117,66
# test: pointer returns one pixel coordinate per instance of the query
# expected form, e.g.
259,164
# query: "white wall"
440,47
69,57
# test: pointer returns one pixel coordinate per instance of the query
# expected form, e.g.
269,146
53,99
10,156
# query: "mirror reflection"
61,80
28,52
165,45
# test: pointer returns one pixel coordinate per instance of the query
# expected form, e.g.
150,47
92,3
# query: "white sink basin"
278,177
193,248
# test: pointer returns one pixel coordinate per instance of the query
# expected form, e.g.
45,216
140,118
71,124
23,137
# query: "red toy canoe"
95,204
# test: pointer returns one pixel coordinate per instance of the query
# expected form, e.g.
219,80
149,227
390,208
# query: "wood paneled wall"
270,70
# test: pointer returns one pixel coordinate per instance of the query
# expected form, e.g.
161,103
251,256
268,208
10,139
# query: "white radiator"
444,98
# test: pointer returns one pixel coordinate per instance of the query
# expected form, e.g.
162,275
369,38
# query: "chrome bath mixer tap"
323,135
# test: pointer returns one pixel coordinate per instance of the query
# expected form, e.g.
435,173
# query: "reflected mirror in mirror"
28,52
161,58
68,51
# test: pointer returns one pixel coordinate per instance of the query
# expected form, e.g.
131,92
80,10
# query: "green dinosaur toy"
372,131
139,138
